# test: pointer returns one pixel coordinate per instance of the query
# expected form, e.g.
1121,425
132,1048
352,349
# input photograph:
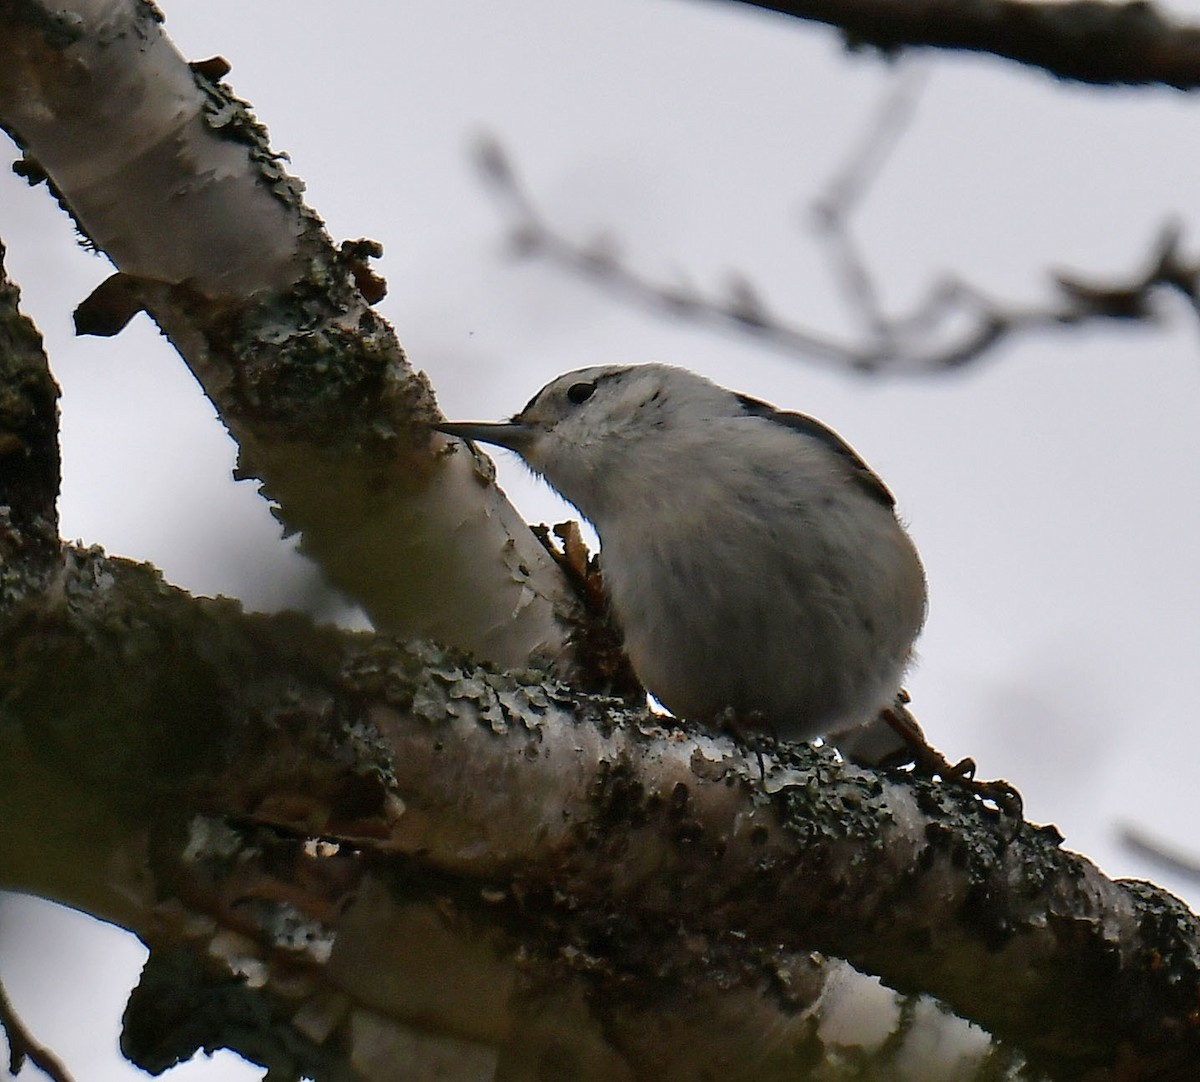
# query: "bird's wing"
863,475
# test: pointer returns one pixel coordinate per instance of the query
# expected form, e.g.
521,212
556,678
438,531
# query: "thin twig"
877,141
1138,841
953,325
22,1046
848,187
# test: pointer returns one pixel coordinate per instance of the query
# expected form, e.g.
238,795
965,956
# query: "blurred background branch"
1092,41
954,324
1166,856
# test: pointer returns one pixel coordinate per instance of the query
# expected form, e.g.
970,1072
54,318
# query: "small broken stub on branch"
355,256
107,310
603,666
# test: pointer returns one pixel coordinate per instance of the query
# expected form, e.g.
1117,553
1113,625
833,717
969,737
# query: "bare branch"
1139,841
877,141
850,185
22,1046
1092,41
953,325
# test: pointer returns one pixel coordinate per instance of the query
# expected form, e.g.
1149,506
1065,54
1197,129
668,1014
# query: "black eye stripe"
578,393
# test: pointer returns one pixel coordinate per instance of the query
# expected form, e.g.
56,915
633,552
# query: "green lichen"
29,460
301,373
825,800
434,683
232,118
1173,931
423,680
109,689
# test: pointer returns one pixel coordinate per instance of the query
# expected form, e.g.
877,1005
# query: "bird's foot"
751,731
929,761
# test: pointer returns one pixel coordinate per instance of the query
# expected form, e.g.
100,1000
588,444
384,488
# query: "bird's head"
587,430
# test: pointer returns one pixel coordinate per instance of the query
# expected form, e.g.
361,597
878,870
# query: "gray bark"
358,826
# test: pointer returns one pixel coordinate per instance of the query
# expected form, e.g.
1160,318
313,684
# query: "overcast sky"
1051,488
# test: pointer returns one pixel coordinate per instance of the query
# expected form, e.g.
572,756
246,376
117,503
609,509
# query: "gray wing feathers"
865,477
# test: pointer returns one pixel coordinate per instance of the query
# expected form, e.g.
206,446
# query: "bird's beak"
511,434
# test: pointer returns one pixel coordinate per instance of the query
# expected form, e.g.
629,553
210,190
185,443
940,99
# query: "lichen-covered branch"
169,175
315,809
29,456
1118,42
348,855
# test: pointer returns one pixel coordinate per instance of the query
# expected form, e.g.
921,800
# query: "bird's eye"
579,393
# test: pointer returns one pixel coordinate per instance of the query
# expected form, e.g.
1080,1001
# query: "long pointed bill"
508,434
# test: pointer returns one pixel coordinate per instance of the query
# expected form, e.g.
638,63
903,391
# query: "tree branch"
22,1046
1091,41
312,789
1147,846
171,176
29,456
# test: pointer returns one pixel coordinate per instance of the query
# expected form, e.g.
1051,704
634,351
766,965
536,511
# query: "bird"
755,565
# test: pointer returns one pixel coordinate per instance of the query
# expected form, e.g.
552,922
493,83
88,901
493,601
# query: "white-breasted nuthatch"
753,560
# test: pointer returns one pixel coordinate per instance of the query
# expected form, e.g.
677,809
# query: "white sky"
1052,488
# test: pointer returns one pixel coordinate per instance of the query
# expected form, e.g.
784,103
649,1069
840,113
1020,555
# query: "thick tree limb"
1092,41
320,809
349,855
29,457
